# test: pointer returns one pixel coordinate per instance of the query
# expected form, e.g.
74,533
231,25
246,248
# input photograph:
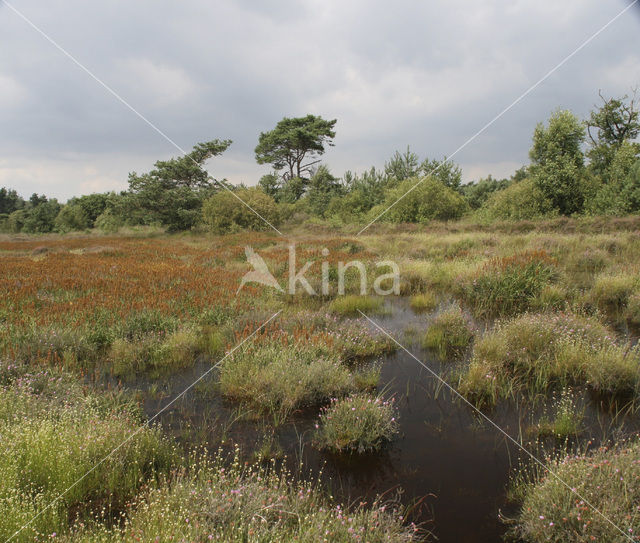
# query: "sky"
425,74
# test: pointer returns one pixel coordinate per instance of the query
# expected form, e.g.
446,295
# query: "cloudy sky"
428,74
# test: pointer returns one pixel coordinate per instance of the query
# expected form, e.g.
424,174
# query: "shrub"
109,222
449,334
353,304
426,301
430,200
606,478
358,423
509,285
230,212
71,217
519,202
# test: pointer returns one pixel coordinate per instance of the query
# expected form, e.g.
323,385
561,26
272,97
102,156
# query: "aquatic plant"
359,423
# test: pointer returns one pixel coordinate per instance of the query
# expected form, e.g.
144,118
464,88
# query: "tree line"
589,166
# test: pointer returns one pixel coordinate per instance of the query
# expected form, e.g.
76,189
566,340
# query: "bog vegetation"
526,288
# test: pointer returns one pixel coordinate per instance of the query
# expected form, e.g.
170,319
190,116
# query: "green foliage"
407,165
620,194
358,423
109,222
478,193
609,127
10,201
172,193
71,217
40,215
230,212
270,184
402,166
445,171
520,201
92,205
293,141
323,187
421,201
558,162
292,190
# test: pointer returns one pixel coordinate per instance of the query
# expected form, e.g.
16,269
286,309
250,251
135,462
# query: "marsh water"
449,465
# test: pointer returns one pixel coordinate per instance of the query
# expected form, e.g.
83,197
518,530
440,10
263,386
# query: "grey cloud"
428,74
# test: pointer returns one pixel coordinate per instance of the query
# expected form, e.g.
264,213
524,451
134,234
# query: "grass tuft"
449,334
358,423
351,305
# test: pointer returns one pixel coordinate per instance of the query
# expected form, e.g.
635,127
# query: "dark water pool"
451,466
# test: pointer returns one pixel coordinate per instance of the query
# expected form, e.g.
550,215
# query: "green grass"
351,305
567,420
449,334
424,302
607,478
52,433
359,423
218,502
277,379
508,285
611,293
536,352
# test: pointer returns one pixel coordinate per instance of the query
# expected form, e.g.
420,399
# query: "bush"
430,200
449,334
607,479
228,212
518,202
358,423
71,217
109,222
